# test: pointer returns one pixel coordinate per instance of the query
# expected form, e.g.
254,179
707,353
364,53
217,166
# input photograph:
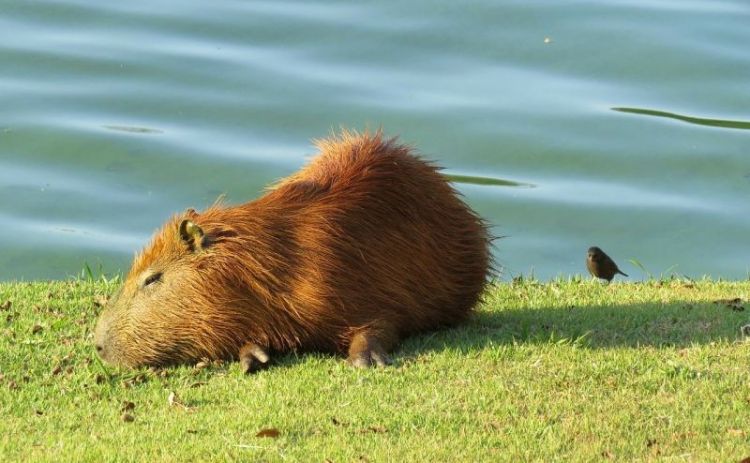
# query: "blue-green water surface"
622,124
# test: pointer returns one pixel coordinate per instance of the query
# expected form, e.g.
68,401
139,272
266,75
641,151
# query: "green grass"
561,371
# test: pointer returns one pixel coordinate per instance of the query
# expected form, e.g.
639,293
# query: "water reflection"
724,123
476,180
131,129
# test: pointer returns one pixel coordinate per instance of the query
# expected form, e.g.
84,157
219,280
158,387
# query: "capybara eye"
152,279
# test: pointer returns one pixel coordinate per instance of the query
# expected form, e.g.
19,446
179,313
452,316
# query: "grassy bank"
562,371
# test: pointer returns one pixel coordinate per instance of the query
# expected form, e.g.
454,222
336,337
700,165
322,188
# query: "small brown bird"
601,265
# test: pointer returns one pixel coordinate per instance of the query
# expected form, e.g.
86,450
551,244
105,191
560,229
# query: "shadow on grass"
674,324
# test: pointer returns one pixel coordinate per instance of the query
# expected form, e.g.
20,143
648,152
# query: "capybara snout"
364,246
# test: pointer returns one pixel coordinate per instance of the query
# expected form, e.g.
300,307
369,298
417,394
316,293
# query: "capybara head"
158,317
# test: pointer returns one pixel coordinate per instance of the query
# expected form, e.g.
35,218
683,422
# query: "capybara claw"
361,361
369,359
381,359
253,358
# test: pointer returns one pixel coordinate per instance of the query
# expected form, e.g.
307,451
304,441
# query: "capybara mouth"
101,339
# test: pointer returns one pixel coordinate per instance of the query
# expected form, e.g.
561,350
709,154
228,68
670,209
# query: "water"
565,124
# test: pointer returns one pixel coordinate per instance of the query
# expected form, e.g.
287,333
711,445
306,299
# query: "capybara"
364,246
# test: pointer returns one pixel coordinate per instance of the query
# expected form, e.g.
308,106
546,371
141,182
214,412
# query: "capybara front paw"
253,358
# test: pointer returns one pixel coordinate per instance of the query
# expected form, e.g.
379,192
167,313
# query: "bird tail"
621,272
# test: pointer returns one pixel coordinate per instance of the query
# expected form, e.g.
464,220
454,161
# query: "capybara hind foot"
253,358
366,350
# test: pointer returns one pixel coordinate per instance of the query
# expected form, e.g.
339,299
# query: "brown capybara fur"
364,246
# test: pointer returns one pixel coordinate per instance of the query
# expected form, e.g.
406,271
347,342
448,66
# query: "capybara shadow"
675,324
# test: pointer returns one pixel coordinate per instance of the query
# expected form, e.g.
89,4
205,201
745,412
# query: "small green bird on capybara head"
366,245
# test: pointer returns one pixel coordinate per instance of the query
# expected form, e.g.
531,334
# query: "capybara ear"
192,235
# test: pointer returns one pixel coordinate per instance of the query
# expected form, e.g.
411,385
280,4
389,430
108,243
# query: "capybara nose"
101,352
106,352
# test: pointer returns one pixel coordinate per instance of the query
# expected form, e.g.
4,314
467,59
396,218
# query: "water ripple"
55,181
153,107
132,129
489,181
722,123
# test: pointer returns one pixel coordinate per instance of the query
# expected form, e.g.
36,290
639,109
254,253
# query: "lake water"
622,124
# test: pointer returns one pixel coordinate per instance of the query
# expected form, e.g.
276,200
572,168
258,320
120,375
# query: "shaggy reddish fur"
366,238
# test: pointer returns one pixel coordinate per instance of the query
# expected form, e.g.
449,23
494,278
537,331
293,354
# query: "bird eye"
153,278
